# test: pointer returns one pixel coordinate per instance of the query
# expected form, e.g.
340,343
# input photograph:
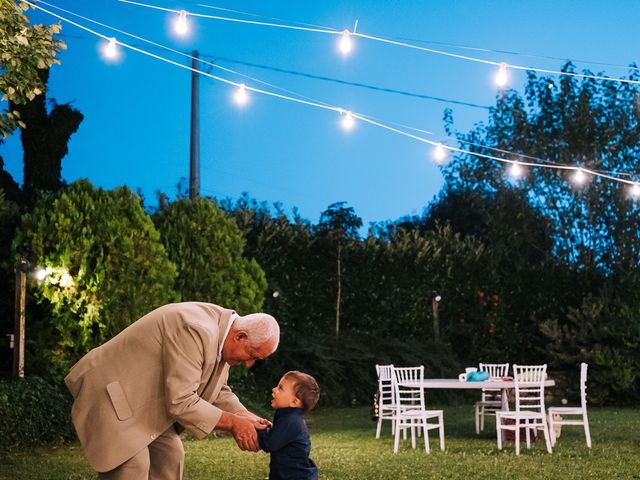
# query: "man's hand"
242,429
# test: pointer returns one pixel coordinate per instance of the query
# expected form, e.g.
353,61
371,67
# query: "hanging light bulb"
579,176
440,153
345,42
515,170
241,97
347,120
111,49
181,25
501,76
635,190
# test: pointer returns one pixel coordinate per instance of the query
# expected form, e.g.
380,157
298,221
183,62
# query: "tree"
588,123
207,247
106,268
339,225
45,136
25,50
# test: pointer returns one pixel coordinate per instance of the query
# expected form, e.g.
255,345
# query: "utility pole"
19,326
194,164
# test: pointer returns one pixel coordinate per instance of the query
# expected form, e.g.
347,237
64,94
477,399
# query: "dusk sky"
137,110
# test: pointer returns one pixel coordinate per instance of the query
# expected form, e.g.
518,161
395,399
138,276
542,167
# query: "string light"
501,76
347,120
579,177
111,50
635,190
516,170
327,30
241,97
440,153
181,25
40,274
345,44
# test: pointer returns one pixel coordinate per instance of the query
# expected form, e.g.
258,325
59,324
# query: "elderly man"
165,372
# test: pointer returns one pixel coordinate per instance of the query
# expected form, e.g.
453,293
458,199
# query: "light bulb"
440,153
181,25
241,97
41,273
635,190
347,120
501,76
515,170
111,50
579,176
345,42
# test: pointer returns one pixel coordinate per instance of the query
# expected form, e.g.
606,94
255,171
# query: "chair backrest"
494,370
583,385
385,385
408,387
529,380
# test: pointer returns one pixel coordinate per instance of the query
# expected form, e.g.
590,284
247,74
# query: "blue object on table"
480,376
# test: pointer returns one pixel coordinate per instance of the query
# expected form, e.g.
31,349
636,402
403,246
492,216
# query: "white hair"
260,327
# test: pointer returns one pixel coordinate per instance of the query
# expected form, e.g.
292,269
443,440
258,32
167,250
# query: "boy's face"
283,395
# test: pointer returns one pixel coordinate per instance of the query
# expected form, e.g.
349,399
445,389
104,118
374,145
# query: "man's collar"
232,319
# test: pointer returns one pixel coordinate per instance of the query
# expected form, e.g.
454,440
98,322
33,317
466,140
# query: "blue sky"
136,127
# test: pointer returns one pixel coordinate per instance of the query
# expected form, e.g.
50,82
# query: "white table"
455,384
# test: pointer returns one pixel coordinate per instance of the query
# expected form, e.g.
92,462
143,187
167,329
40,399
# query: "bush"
207,248
106,268
34,412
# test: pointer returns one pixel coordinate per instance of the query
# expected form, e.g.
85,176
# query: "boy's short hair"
305,387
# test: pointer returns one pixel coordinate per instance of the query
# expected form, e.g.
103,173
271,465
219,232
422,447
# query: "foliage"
207,248
106,268
34,412
25,50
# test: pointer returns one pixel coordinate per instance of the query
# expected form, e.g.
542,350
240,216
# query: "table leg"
504,398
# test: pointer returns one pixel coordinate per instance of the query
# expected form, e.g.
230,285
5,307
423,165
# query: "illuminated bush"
106,268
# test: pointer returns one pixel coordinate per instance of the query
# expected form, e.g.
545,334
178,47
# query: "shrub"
34,412
106,269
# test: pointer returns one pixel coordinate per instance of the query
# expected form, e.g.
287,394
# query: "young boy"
288,439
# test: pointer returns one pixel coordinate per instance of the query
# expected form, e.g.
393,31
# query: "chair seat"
565,410
523,415
489,403
426,414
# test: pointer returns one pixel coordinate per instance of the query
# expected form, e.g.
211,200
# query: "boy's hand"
258,422
263,424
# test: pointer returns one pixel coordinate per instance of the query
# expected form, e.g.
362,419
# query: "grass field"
344,447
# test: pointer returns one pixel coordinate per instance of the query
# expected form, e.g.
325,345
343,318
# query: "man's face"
237,349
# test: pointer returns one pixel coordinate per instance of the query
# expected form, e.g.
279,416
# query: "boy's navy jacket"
289,445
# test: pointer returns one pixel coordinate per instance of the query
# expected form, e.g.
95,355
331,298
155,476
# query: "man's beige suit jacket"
164,368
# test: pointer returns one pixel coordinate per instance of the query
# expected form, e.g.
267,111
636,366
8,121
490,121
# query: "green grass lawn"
344,447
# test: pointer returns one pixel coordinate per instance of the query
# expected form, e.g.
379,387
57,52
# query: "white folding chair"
491,400
556,413
530,413
386,397
410,407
